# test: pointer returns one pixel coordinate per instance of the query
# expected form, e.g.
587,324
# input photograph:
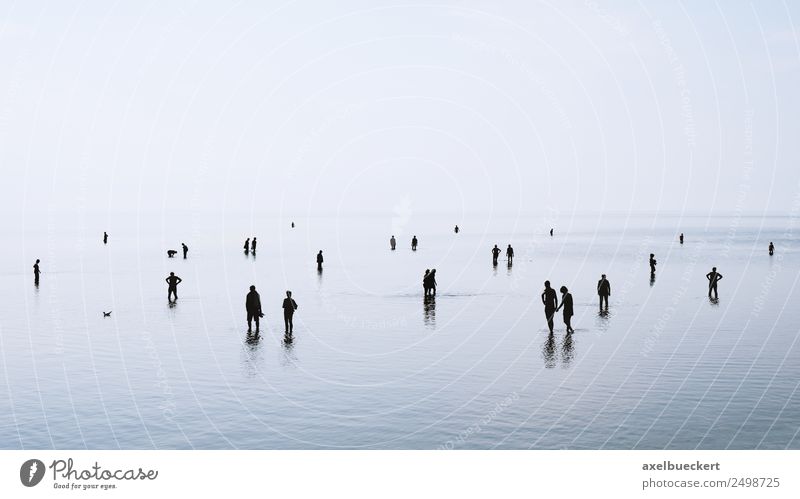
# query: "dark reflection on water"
429,311
549,351
567,350
252,356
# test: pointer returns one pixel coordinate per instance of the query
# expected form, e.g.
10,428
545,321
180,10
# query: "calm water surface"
375,366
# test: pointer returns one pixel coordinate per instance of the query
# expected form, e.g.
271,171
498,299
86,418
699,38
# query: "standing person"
603,291
551,232
713,278
495,254
510,254
319,260
289,306
105,237
771,248
293,225
426,283
253,305
681,238
393,242
550,301
185,250
432,282
414,243
652,264
247,246
172,286
253,246
36,272
456,229
566,303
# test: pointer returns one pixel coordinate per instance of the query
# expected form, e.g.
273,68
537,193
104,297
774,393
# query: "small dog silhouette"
106,314
171,253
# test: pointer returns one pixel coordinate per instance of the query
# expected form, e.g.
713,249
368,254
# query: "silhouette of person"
289,306
426,283
550,301
171,253
713,278
652,264
771,248
393,243
293,225
253,305
456,229
185,250
105,237
510,254
319,260
432,282
566,304
414,243
551,232
253,246
603,291
247,246
495,254
172,286
681,238
36,272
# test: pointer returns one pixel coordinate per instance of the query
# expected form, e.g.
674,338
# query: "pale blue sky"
314,106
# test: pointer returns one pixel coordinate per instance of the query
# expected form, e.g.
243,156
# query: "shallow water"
372,364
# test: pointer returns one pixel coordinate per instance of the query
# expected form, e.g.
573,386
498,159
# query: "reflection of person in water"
550,301
393,243
429,308
713,278
289,306
771,248
495,254
566,304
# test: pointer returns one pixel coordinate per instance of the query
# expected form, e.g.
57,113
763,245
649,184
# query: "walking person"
253,305
289,306
105,237
172,286
414,243
550,302
566,304
36,272
495,254
247,246
652,264
253,246
185,250
432,282
510,254
771,248
319,260
603,291
713,278
393,243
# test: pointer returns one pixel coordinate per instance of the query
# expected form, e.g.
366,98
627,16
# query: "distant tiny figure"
105,237
550,301
247,245
414,243
106,314
393,243
566,303
289,306
253,246
319,260
426,283
495,254
681,238
713,278
172,286
603,291
36,272
551,232
510,254
771,248
456,229
293,225
185,250
652,264
253,305
171,253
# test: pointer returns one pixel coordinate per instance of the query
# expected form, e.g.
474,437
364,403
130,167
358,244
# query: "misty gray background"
344,107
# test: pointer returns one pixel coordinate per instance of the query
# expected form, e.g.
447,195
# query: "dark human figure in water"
253,305
105,237
429,283
603,291
713,278
771,249
652,264
247,246
253,246
681,238
425,282
550,301
171,253
456,229
293,225
566,304
172,286
319,260
495,254
289,306
185,250
414,243
551,232
510,254
393,243
36,272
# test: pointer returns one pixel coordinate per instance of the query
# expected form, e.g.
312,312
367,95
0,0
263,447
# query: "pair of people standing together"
551,306
253,306
429,282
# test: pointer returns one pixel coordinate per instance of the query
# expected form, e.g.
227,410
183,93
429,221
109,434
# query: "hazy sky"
318,106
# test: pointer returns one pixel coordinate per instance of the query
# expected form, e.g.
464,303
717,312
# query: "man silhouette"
681,238
289,306
105,237
713,278
185,250
456,229
172,286
603,291
652,264
393,243
550,301
319,260
247,245
771,248
253,246
510,254
253,305
495,254
36,272
551,232
414,243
